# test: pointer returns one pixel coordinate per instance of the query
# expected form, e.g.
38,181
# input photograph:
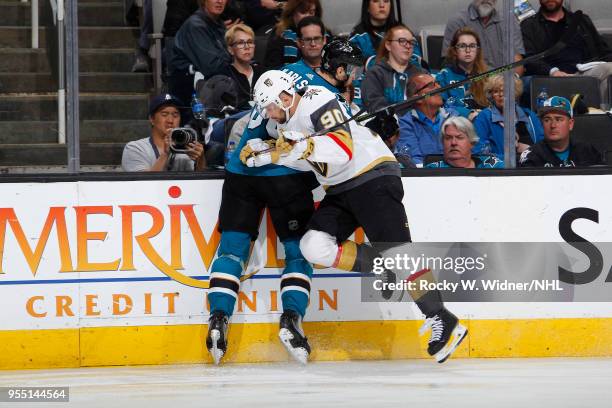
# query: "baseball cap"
556,104
163,100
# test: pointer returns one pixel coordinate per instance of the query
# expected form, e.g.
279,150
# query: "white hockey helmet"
268,88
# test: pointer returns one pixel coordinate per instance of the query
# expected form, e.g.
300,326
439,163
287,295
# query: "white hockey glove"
248,151
292,150
292,135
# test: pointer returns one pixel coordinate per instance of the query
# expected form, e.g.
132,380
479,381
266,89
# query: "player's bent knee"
235,243
319,248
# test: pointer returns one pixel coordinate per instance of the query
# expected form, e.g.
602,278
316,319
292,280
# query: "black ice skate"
216,340
292,336
387,277
446,334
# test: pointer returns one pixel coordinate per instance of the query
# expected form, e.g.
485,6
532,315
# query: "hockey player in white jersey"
361,176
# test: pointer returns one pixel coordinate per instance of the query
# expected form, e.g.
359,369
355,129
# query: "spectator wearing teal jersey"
377,17
464,58
385,83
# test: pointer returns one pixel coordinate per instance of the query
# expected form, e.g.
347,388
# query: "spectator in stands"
558,149
240,41
482,17
385,125
263,13
420,127
377,17
282,45
489,123
458,139
236,90
311,39
385,83
177,12
142,62
464,58
543,30
153,153
199,46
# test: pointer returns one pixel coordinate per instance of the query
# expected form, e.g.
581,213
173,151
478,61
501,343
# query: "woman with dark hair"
377,16
282,44
464,58
385,83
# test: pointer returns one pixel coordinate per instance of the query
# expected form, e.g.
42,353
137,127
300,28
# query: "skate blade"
215,352
299,354
457,336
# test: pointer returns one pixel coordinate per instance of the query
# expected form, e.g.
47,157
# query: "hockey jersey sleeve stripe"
343,139
347,254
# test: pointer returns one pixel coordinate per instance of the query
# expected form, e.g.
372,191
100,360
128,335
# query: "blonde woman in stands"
489,123
240,40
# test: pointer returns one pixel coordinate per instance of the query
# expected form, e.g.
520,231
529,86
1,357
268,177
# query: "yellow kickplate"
258,342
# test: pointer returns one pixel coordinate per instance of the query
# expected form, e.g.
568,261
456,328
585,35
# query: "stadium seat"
341,16
598,10
566,86
594,129
432,38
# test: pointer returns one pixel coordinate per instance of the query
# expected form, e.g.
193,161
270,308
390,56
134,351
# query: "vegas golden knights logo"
320,168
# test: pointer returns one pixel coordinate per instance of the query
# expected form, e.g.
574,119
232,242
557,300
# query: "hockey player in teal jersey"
247,191
362,182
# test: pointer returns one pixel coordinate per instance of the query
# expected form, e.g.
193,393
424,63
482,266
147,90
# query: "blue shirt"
489,127
420,136
563,155
435,125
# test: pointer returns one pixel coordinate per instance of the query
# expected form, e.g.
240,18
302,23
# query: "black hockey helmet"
339,53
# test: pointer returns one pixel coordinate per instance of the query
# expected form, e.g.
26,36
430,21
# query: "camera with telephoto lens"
180,139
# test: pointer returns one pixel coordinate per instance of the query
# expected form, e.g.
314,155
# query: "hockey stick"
390,110
256,261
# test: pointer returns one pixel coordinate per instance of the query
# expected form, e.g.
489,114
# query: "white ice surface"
497,383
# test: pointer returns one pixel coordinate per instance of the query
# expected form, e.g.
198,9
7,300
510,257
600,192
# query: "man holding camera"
158,152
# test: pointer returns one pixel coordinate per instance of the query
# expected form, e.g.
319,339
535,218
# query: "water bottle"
542,97
197,108
229,151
